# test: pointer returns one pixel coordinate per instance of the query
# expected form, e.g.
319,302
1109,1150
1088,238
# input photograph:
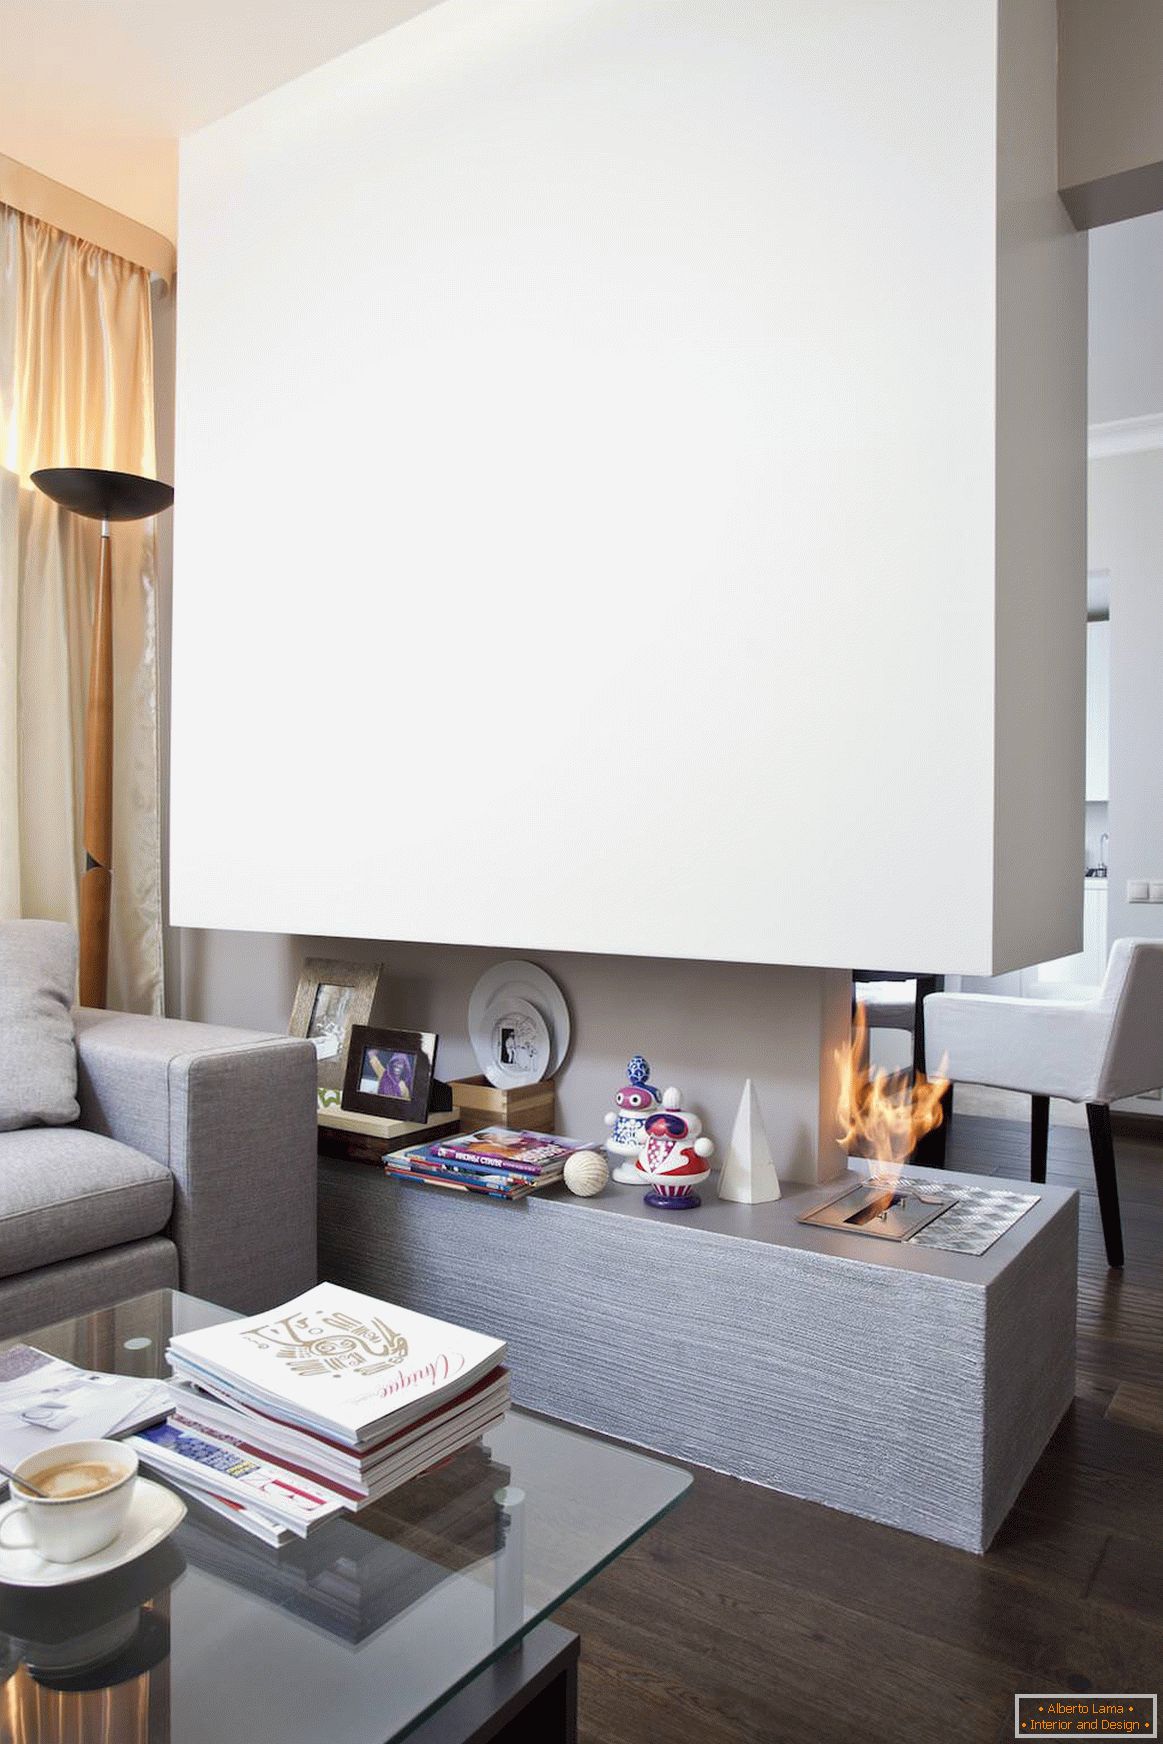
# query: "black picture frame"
418,1045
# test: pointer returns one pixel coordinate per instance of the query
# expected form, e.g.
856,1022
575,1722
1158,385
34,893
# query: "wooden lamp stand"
105,497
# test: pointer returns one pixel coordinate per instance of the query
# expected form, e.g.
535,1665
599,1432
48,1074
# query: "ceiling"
96,93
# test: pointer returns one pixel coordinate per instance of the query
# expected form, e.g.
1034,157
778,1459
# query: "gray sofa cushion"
38,1059
69,1192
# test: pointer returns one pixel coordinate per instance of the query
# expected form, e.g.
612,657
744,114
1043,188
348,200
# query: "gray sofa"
193,1164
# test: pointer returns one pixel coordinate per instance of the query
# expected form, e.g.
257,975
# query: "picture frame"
390,1073
331,998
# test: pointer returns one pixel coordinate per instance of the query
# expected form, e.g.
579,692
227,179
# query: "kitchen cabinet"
1098,684
1087,967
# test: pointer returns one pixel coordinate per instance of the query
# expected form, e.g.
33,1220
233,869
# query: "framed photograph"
389,1073
331,998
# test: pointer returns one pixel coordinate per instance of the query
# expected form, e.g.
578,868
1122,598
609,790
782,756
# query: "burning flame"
883,1115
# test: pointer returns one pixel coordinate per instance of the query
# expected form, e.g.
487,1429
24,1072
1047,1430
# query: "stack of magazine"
496,1161
328,1402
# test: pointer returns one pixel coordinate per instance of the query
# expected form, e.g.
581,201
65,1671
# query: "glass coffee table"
424,1616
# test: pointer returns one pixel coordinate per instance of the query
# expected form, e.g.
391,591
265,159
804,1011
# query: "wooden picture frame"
374,1055
331,998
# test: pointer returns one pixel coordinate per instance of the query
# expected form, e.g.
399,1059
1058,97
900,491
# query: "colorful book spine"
498,1188
208,1463
492,1184
425,1157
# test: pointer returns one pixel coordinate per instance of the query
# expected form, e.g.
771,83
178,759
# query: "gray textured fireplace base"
907,1385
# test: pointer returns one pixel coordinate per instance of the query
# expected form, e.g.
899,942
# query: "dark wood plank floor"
747,1616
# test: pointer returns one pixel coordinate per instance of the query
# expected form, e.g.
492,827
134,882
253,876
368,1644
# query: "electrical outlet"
1156,888
1138,890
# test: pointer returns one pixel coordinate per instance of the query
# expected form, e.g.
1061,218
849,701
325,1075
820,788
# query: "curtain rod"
66,209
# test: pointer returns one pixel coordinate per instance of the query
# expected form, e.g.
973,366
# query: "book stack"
496,1161
328,1402
350,1582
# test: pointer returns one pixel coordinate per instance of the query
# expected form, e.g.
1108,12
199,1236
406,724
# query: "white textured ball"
586,1173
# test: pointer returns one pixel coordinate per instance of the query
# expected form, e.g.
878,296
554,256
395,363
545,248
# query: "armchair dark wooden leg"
1039,1136
1102,1148
930,1153
940,1136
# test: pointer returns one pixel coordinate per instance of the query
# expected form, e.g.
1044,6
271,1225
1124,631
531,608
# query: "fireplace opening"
890,1213
881,1118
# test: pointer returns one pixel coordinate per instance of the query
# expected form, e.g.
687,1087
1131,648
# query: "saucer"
153,1514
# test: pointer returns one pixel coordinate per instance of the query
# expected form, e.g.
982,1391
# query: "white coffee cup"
67,1528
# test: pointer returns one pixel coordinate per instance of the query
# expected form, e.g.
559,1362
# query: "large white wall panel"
1040,608
587,485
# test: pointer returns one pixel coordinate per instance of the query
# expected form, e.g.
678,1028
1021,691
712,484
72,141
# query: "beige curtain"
76,389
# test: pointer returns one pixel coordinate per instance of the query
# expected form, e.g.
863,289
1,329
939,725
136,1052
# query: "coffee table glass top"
352,1635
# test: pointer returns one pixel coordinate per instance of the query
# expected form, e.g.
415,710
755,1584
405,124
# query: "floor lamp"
105,497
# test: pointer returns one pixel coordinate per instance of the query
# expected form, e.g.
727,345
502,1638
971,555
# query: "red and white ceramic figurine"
674,1158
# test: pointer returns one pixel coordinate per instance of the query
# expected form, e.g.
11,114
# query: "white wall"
587,437
1040,625
1126,527
1126,531
1126,539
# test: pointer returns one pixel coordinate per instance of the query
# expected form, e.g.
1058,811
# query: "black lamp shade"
101,495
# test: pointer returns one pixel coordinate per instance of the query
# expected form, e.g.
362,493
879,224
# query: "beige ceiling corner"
28,191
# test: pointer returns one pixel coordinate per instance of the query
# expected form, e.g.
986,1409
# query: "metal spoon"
25,1484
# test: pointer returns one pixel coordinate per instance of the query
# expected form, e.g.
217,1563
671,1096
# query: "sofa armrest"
232,1115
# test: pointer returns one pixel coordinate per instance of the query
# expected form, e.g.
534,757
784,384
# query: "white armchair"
1095,1051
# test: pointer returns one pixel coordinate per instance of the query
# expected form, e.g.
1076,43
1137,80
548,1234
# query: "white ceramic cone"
748,1173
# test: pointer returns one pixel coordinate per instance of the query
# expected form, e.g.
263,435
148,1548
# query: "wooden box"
363,1138
531,1108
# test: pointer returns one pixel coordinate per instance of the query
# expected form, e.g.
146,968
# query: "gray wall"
1110,120
703,1026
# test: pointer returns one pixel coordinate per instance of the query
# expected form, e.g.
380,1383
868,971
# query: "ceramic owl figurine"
634,1103
674,1158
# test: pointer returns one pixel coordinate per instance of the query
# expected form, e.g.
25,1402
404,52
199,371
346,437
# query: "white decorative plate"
519,1043
153,1514
516,979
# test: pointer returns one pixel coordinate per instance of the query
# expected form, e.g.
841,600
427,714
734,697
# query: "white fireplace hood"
630,489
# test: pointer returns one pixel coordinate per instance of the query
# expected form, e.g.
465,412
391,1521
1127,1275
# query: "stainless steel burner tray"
890,1213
